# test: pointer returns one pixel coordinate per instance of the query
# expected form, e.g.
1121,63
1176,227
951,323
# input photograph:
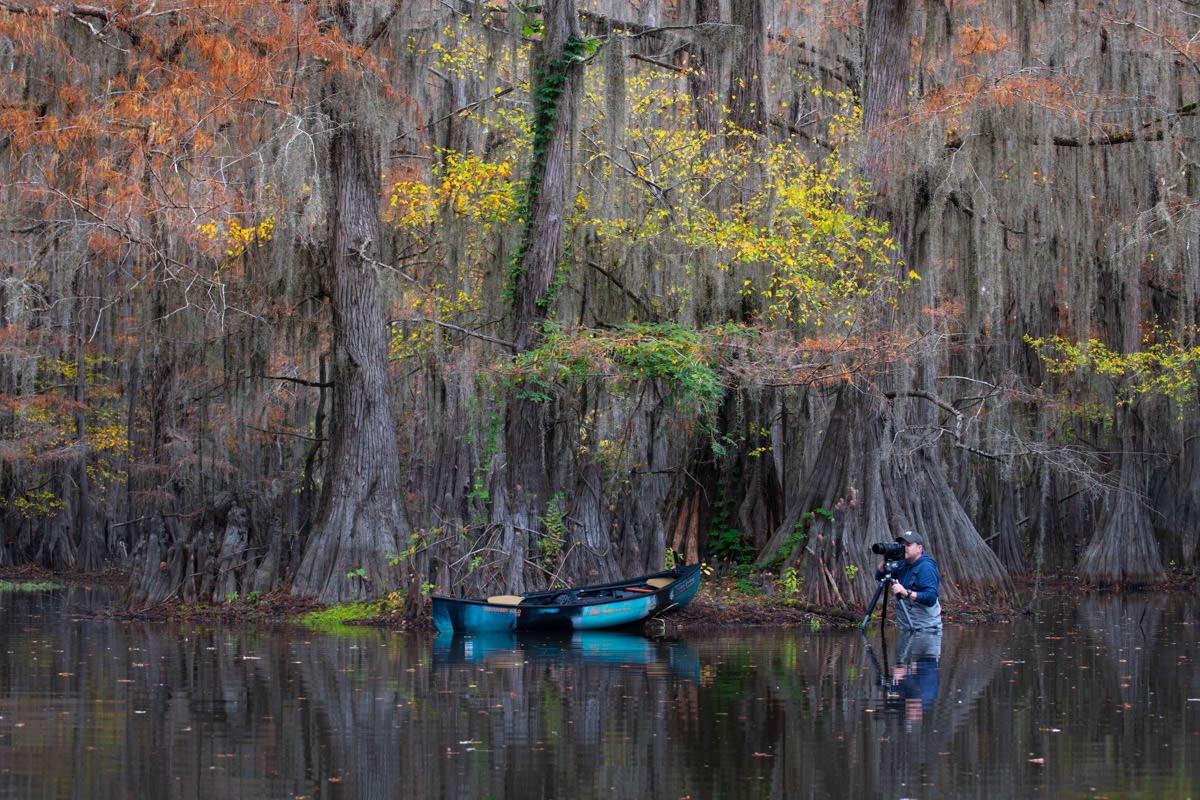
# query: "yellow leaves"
462,53
436,303
1164,367
36,503
234,238
805,225
463,184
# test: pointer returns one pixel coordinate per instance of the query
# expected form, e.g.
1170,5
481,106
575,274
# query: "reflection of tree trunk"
1125,630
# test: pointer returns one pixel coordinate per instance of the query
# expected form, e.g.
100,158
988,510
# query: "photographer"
916,584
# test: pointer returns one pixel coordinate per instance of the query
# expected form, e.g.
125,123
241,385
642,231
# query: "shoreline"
719,605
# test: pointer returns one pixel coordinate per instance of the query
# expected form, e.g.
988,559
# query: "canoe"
608,605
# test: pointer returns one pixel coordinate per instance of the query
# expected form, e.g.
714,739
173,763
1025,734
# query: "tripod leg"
882,632
867,618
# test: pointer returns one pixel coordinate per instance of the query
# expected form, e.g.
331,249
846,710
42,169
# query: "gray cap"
911,537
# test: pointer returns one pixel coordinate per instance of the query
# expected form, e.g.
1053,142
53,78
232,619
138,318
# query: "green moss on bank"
28,586
343,618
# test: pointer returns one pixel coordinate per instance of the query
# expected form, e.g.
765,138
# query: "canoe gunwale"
531,598
606,605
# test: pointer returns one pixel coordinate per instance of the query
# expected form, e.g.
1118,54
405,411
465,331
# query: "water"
1096,697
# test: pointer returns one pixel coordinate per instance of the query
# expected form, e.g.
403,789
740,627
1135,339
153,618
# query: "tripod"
885,581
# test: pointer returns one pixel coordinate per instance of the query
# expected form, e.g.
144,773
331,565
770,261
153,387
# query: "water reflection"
1098,696
911,683
561,649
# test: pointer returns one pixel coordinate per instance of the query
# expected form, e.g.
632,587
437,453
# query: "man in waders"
919,619
915,587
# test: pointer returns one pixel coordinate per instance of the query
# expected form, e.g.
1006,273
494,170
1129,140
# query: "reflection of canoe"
607,605
615,648
610,646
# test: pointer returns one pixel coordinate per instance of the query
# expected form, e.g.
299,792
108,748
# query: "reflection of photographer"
914,582
916,677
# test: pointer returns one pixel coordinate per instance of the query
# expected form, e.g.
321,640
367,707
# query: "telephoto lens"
892,551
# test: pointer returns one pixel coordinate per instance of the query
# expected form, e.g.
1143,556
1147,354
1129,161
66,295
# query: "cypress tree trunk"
1187,506
827,535
747,91
557,76
704,79
1124,550
1005,531
526,485
360,521
886,59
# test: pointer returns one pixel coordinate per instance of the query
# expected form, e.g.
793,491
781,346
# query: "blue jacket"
923,611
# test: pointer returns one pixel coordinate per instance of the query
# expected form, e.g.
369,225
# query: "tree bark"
747,91
826,536
1005,532
360,521
557,76
886,62
522,496
1125,551
704,78
1188,504
886,66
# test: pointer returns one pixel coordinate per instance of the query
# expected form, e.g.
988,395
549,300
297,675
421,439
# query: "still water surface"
1093,697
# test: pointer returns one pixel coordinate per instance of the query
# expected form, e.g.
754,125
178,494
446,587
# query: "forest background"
353,298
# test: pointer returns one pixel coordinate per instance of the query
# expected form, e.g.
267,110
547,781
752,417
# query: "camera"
891,551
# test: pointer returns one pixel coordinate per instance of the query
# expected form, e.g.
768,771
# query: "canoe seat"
659,583
506,599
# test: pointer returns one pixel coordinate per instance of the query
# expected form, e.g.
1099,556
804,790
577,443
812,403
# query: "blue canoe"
608,605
